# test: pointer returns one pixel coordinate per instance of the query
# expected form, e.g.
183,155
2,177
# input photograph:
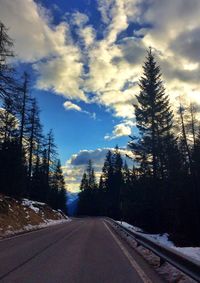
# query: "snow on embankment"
26,215
163,239
167,272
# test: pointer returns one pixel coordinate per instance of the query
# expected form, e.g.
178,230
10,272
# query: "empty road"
81,251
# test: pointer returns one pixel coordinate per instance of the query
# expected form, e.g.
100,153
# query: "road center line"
133,263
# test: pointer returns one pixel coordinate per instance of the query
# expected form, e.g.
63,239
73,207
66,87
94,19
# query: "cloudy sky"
85,57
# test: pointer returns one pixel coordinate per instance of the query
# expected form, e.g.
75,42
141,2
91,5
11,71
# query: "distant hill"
72,201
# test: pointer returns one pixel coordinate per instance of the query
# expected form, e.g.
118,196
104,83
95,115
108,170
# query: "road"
81,251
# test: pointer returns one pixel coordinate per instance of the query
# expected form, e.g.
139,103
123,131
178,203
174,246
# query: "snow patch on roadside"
29,227
131,227
20,216
32,204
163,239
167,271
193,252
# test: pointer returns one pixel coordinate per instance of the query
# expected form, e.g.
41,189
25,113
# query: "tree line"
161,193
29,165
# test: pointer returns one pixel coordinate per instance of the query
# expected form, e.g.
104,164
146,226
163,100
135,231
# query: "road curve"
82,251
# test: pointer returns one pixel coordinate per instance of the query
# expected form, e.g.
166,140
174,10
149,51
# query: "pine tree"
92,184
44,178
36,178
57,193
34,136
116,190
153,118
84,182
107,172
23,108
50,151
13,169
101,183
8,120
184,145
126,174
6,46
193,125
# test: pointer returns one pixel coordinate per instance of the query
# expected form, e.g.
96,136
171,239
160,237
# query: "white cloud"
79,19
87,34
28,26
68,105
62,74
113,61
122,129
56,59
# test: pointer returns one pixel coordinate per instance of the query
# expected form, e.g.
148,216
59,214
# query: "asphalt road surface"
81,251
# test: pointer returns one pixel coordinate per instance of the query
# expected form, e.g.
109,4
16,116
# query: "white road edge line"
133,263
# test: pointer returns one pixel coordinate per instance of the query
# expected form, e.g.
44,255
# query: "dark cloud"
83,156
97,156
187,44
175,71
133,51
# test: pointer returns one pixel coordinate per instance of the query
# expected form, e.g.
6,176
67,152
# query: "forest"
29,164
161,192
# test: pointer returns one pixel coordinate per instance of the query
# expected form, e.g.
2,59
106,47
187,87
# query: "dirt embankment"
18,216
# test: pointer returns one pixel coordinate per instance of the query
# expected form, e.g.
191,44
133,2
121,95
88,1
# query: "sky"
85,59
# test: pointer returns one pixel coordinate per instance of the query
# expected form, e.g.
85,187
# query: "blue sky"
76,130
85,58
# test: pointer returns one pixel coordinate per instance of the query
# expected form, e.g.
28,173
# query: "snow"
43,220
166,270
29,227
32,204
193,252
128,226
163,239
48,222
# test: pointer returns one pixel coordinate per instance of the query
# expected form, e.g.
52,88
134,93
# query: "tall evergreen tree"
58,195
6,51
116,190
84,182
153,119
8,120
6,45
107,172
184,144
126,174
101,183
92,184
51,152
34,136
23,108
